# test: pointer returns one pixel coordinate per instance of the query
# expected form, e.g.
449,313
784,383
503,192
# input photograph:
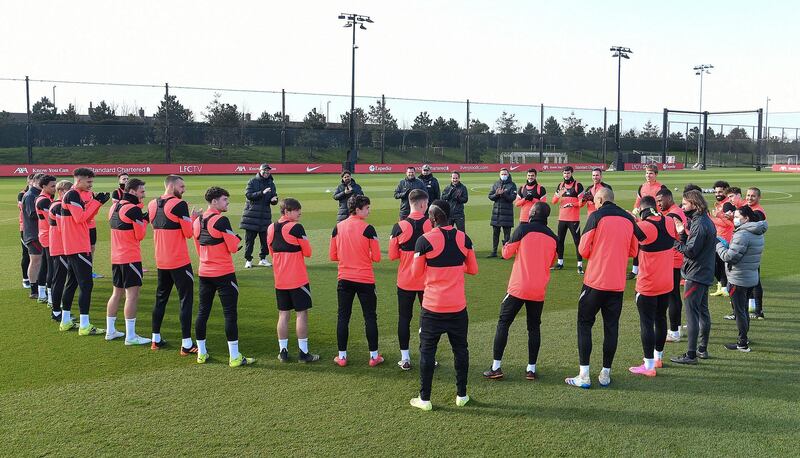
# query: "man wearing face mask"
743,258
503,193
347,188
722,216
257,214
117,194
406,185
456,194
569,216
528,194
431,183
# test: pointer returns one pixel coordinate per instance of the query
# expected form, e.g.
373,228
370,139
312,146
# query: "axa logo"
21,170
241,168
311,169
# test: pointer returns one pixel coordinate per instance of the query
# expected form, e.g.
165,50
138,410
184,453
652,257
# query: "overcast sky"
524,52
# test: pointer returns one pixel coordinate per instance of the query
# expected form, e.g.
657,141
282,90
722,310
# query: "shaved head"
606,194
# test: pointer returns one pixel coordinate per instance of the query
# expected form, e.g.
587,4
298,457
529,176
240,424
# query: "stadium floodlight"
700,70
353,19
620,52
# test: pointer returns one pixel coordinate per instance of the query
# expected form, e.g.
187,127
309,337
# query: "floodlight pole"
355,21
619,53
700,70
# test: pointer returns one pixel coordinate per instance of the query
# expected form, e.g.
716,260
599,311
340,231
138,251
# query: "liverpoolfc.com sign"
248,169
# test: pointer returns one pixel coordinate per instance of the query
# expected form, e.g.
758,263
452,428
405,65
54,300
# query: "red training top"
721,222
676,213
172,225
647,189
570,208
128,229
609,239
655,254
76,214
534,245
354,244
588,196
442,256
288,245
42,209
54,220
527,195
215,241
401,246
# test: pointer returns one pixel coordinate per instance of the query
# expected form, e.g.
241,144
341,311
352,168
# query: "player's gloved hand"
102,197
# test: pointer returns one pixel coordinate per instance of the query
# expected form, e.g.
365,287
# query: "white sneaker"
114,334
604,378
580,382
248,264
420,404
264,263
137,340
673,336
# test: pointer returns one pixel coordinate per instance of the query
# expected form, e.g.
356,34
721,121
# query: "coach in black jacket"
346,189
456,194
257,214
699,249
431,184
503,193
406,185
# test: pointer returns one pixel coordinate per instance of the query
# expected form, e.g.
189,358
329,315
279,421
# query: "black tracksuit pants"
183,280
432,326
675,301
652,322
250,241
405,311
739,300
80,269
346,292
574,227
228,290
508,312
609,303
496,236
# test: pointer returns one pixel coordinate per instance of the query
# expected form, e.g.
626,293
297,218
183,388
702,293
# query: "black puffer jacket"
257,214
503,209
456,196
698,249
431,187
342,197
401,192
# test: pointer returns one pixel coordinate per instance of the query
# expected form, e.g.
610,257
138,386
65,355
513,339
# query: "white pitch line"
786,195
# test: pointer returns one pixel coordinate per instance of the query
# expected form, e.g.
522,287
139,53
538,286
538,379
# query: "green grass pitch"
65,395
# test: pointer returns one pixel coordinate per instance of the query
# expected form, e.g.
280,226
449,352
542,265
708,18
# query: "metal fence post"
705,131
466,139
760,142
541,133
664,137
283,126
28,139
605,134
167,133
383,126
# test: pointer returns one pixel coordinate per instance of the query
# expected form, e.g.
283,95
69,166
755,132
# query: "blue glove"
723,242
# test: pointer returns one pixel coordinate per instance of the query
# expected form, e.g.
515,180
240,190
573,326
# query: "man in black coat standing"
503,193
431,184
257,214
456,194
346,189
406,185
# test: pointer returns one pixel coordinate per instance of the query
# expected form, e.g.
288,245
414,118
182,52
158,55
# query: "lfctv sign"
190,169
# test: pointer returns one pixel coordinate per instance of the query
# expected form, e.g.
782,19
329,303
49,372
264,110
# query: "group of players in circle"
672,246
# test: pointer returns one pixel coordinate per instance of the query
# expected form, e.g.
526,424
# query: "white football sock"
201,347
496,364
635,270
531,368
303,344
343,354
156,337
233,348
605,371
751,305
130,328
725,289
42,291
405,355
659,355
373,354
560,262
283,344
49,297
584,373
66,316
110,324
649,363
580,263
84,320
186,343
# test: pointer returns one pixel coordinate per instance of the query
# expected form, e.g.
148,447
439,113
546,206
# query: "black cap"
265,167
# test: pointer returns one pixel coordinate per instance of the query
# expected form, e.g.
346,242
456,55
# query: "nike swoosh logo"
513,168
311,169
